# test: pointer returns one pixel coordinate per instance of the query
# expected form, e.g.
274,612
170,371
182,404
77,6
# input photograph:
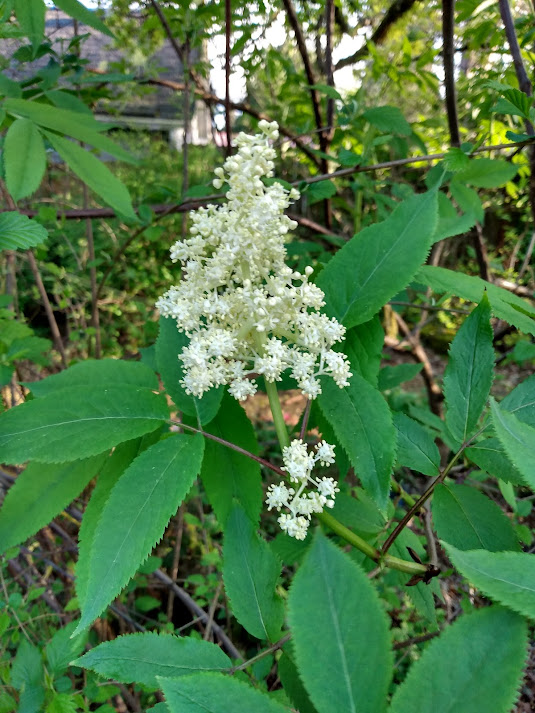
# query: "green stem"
276,411
369,550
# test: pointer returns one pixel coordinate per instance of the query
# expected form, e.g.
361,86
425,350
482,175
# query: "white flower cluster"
245,311
298,463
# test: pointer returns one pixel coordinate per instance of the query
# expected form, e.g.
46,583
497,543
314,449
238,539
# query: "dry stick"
199,612
433,389
40,286
48,308
228,122
176,558
211,612
448,21
95,319
415,640
525,86
392,15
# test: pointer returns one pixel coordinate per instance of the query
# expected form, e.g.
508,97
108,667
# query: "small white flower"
298,463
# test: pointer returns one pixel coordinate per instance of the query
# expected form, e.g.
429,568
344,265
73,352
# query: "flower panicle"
244,310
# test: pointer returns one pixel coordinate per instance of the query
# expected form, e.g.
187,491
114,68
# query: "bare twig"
176,558
228,118
394,13
448,22
48,308
95,320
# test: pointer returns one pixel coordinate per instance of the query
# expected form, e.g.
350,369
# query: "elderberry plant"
241,320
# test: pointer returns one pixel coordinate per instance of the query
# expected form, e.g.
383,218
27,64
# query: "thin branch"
228,122
394,13
56,336
266,652
427,494
233,447
329,22
186,133
301,45
95,320
448,23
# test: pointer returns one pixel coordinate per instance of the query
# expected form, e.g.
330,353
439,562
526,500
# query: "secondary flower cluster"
298,463
246,312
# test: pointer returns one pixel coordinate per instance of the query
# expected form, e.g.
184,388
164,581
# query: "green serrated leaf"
78,422
292,683
363,346
474,665
521,401
456,159
470,520
110,473
31,18
469,373
392,376
251,572
143,657
467,199
215,693
83,14
450,223
379,261
40,492
362,422
63,648
504,304
487,172
99,373
416,448
518,440
320,191
352,671
489,455
24,158
95,174
135,516
388,119
507,577
18,232
229,476
169,345
72,123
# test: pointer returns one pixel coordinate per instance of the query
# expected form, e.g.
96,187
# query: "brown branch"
301,45
211,99
95,320
228,124
193,203
329,22
448,23
394,13
48,308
